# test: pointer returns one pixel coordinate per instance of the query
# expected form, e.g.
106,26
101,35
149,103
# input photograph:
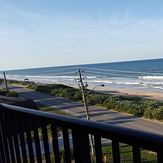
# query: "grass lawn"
51,110
126,155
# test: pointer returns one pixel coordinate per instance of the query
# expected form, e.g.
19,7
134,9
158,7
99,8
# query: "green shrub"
110,105
57,86
123,106
109,102
148,113
159,113
32,86
77,96
152,104
2,92
48,88
55,92
68,93
13,82
132,105
42,88
136,110
96,98
154,113
11,94
63,157
122,98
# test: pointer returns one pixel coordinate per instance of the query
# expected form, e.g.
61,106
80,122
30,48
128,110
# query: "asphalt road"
96,114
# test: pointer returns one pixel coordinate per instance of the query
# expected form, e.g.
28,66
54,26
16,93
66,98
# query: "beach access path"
96,113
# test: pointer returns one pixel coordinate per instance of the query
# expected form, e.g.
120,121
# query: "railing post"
98,149
9,137
55,143
21,129
160,156
116,153
14,130
36,124
29,139
46,142
66,145
4,152
136,154
81,147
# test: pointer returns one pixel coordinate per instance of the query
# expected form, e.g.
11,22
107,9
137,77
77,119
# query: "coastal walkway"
96,113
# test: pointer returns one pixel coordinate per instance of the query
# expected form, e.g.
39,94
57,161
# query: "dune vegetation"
132,105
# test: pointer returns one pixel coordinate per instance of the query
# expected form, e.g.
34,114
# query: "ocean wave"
95,80
151,85
117,82
151,77
42,77
90,77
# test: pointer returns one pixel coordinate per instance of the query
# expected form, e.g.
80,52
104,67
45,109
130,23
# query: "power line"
88,72
123,71
36,72
87,68
52,74
59,69
107,73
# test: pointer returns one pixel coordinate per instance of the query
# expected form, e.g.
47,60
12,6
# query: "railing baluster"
136,154
13,122
98,149
21,130
116,153
81,146
1,157
66,145
37,141
2,154
29,139
10,137
46,142
160,156
3,137
55,143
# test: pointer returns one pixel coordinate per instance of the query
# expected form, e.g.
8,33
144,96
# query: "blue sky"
39,33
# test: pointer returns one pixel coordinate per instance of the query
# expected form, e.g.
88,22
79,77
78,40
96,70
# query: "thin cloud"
25,33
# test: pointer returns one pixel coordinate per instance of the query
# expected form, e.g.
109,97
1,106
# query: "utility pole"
83,94
82,86
86,107
5,81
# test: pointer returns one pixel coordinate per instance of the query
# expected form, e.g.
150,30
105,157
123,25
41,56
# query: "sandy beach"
153,95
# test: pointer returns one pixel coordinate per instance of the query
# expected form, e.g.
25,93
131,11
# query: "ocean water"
142,74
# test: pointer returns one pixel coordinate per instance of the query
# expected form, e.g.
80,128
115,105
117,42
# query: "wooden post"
86,108
83,94
5,81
